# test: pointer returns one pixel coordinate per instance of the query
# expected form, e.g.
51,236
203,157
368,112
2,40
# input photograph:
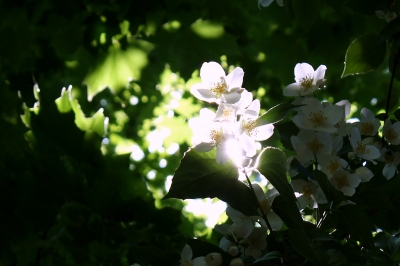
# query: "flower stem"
263,214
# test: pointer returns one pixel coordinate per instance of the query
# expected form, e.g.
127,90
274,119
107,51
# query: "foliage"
83,172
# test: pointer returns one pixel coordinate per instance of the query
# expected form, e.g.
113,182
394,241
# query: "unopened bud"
233,251
213,259
236,262
351,155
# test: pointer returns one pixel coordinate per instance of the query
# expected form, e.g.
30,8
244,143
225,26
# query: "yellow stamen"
306,82
318,118
366,128
307,191
216,137
333,166
314,145
219,88
249,127
265,205
391,135
228,113
361,148
342,181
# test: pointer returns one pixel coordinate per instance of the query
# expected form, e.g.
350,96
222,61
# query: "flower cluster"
234,128
319,144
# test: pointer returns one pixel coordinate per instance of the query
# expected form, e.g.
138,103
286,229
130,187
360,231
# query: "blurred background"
82,177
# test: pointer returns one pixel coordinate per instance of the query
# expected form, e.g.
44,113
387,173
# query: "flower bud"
236,262
213,259
233,251
351,155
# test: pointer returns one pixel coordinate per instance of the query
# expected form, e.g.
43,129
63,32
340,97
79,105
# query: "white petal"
199,261
320,196
233,214
319,74
279,2
231,97
364,173
235,78
333,114
346,105
265,3
389,171
348,191
298,185
222,154
248,144
225,244
186,253
211,72
264,132
203,147
367,115
254,108
245,99
292,90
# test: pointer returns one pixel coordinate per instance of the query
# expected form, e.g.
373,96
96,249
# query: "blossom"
213,259
266,3
330,163
361,148
209,134
251,131
313,116
388,16
311,193
391,159
266,200
368,125
186,258
307,80
309,144
256,242
236,262
345,181
391,132
216,86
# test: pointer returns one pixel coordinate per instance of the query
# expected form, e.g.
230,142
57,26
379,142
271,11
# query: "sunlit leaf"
272,164
63,103
95,123
116,69
200,176
276,113
364,54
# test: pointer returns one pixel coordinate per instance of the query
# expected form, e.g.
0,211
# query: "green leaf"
276,113
272,164
269,256
389,244
288,212
200,176
95,123
286,131
154,256
116,68
306,12
364,54
301,244
352,219
63,103
336,258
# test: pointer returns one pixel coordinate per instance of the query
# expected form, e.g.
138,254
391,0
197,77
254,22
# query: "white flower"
213,259
361,148
388,16
251,131
266,3
209,134
330,163
307,80
236,262
345,181
311,193
313,116
256,242
216,87
391,159
364,173
369,125
186,258
309,144
266,200
392,132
